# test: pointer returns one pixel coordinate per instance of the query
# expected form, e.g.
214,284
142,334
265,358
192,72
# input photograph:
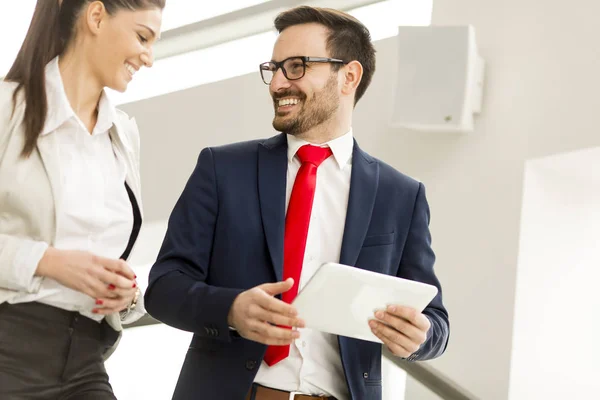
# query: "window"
15,19
243,56
216,63
14,22
183,12
196,68
383,18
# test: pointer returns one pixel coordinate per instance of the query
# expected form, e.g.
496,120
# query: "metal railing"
431,378
428,376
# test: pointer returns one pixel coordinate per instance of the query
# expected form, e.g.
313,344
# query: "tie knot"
313,154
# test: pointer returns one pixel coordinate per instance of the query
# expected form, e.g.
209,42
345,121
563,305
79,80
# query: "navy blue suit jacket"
225,235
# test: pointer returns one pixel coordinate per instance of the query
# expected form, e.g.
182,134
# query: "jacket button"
250,365
366,375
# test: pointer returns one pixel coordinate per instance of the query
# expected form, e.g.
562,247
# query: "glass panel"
14,22
196,68
147,362
243,56
234,58
383,18
183,12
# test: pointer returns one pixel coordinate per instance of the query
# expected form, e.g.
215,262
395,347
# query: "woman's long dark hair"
50,32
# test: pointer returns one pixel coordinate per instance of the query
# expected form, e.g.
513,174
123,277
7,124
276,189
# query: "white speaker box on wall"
439,79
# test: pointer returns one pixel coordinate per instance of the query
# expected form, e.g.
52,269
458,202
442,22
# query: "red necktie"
296,229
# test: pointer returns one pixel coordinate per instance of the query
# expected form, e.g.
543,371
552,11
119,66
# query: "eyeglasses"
293,68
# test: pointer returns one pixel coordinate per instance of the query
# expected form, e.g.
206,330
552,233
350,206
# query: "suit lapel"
272,176
363,189
48,148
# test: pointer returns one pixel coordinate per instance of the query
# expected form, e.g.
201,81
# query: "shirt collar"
60,110
341,147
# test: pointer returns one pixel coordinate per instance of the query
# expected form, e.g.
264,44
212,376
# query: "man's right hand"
98,277
255,312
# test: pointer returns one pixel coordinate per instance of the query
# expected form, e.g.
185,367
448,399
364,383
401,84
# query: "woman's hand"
110,306
110,282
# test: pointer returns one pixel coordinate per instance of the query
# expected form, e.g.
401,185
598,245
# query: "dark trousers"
50,353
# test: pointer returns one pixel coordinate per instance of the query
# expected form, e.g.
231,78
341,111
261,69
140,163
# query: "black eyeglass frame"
304,60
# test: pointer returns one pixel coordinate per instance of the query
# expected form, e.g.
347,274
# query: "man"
255,221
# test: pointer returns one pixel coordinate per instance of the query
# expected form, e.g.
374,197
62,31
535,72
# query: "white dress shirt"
97,214
314,365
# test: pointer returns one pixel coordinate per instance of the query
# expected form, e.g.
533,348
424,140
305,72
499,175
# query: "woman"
70,209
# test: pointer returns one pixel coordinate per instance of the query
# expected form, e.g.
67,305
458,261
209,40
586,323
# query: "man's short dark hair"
348,39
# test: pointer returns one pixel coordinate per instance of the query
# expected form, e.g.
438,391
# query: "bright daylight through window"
237,57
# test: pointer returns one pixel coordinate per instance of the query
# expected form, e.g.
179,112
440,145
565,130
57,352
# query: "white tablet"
341,300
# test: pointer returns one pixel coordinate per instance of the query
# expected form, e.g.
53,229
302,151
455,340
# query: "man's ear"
353,72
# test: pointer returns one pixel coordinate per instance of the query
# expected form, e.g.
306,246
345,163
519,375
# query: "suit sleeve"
177,293
417,264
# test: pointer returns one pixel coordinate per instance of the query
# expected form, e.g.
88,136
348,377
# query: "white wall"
540,97
556,328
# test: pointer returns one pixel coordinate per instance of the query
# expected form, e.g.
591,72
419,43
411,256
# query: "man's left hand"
402,329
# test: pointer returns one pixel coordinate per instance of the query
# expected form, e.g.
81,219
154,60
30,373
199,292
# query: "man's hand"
255,312
402,329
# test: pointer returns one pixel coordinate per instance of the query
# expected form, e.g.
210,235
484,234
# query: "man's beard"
321,108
